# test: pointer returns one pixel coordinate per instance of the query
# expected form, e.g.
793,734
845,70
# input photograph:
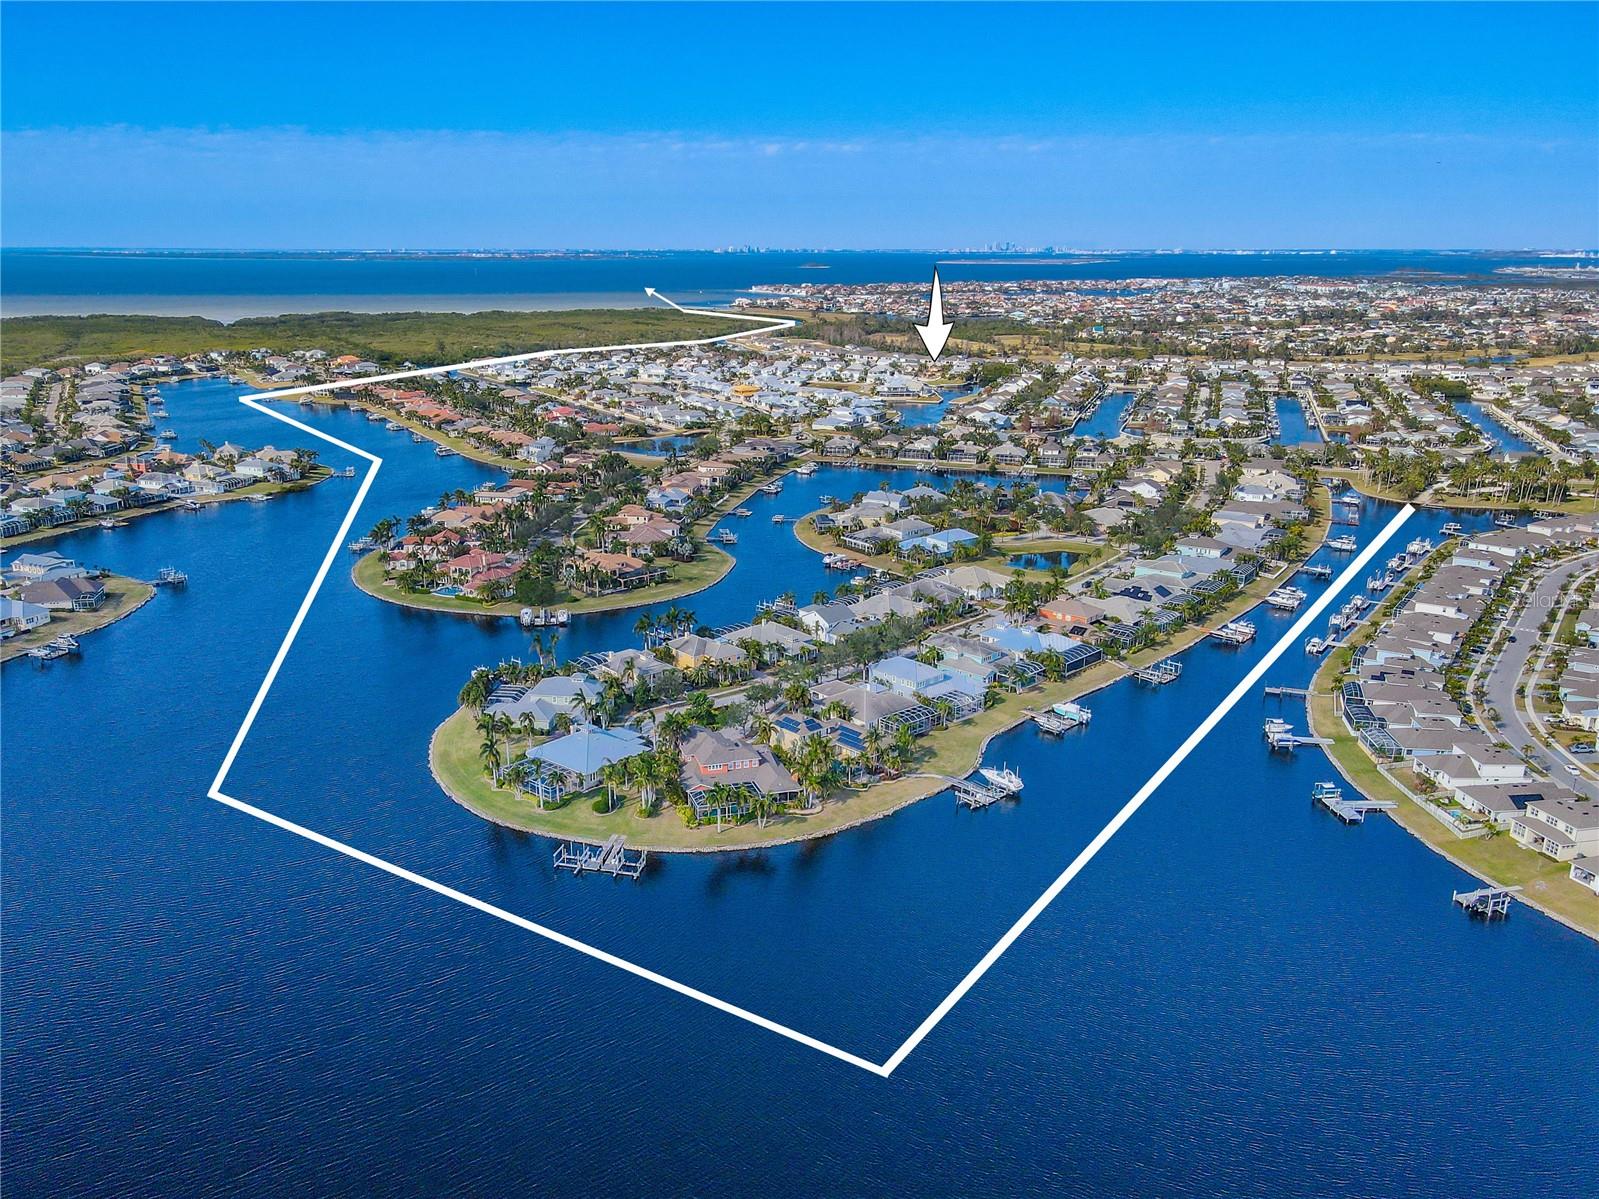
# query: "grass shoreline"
367,574
124,597
1494,858
953,752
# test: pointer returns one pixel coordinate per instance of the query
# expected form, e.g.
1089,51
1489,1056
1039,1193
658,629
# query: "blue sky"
234,125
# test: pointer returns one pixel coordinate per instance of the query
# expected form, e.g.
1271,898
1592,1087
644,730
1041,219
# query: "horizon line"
1051,249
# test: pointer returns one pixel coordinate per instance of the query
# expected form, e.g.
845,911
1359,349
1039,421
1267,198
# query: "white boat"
108,524
393,426
1286,598
1236,632
772,488
1504,520
826,500
1452,529
741,512
417,437
540,618
1344,544
256,499
1006,779
168,435
58,647
1074,712
806,469
444,451
1315,646
1419,548
778,518
725,536
838,562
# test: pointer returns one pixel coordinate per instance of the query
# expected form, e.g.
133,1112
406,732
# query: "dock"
1288,692
969,793
613,858
1350,811
1317,571
170,576
988,787
1159,673
1280,735
1486,902
1061,717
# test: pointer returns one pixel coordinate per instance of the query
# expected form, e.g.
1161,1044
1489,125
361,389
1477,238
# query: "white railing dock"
1487,902
1350,811
613,858
1160,672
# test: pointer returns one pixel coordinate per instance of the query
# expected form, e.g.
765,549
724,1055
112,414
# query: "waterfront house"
64,594
717,756
18,616
581,756
1562,828
872,705
543,703
48,564
828,622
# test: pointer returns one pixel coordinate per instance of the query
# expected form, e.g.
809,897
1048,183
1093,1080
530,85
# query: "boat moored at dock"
1235,632
1287,598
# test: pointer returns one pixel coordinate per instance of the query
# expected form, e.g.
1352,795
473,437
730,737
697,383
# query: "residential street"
1502,678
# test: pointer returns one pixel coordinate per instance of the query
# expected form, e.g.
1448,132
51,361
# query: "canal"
1501,437
1232,955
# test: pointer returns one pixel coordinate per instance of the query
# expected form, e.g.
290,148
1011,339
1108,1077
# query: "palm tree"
537,771
614,775
489,752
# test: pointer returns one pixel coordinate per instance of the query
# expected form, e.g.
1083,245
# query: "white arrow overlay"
935,332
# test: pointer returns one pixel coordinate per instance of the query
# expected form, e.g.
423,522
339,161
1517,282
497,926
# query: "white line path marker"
883,1069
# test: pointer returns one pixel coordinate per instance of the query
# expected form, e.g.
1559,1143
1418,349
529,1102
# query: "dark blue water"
1505,440
1106,419
1293,424
195,998
145,281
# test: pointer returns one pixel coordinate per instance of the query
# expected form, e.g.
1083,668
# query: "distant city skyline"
845,127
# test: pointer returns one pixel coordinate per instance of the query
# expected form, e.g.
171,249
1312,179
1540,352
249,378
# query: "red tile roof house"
469,564
493,580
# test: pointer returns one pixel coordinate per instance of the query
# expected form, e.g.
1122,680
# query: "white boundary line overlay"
885,1068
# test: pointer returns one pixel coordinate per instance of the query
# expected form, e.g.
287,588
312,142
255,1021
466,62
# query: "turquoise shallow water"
1239,996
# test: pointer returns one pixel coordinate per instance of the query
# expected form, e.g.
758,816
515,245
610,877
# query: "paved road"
1512,664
